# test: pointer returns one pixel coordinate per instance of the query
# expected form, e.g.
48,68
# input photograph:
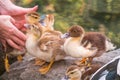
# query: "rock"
26,70
106,57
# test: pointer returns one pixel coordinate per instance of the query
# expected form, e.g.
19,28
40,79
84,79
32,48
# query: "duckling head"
74,73
74,31
48,21
32,18
35,31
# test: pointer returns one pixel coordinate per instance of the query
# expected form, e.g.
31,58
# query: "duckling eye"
33,26
29,14
72,72
35,17
75,31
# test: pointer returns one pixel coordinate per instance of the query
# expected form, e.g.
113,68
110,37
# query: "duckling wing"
87,46
50,41
96,39
46,43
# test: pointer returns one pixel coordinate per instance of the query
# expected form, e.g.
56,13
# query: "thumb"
28,10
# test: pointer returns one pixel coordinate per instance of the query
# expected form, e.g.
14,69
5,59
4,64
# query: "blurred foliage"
93,15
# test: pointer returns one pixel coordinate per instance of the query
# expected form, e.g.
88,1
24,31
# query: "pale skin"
11,24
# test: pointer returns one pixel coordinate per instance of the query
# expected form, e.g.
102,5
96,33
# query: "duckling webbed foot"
88,65
19,58
46,68
39,62
7,65
84,61
89,61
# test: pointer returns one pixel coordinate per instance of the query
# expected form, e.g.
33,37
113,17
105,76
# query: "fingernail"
36,5
35,8
22,49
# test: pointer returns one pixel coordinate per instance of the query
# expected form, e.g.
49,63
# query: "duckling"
110,71
45,44
74,73
81,72
45,23
32,18
79,37
9,52
12,54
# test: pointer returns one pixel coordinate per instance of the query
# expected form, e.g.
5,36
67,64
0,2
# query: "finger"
20,35
23,30
16,32
23,12
12,20
12,44
27,10
35,8
19,17
18,41
20,24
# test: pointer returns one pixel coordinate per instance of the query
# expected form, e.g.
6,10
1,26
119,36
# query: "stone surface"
26,70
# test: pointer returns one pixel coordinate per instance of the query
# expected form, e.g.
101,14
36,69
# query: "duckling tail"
109,45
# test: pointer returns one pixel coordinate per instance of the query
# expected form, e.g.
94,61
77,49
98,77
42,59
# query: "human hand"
10,33
20,16
17,12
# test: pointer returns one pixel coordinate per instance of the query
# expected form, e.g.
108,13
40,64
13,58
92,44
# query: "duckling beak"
65,78
42,18
66,35
26,26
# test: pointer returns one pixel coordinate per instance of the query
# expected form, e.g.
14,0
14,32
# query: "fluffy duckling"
110,71
74,73
77,37
12,54
9,53
45,19
82,72
32,18
45,44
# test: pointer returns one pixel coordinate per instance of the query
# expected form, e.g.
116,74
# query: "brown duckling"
81,72
74,47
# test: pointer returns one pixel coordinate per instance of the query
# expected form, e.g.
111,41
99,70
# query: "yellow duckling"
32,18
49,20
73,44
45,44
